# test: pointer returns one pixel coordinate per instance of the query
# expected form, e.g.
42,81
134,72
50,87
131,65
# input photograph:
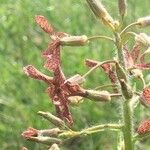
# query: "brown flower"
59,89
144,127
145,97
132,57
44,24
30,132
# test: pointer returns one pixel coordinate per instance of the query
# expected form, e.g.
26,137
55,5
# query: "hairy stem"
98,65
127,112
127,129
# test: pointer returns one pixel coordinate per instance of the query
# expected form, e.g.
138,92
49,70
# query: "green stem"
98,65
128,27
127,130
127,112
119,49
91,130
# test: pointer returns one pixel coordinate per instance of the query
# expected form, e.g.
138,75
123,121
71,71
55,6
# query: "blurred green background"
21,43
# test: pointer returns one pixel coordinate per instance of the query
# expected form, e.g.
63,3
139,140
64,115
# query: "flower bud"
144,127
99,96
144,22
143,38
53,119
145,97
77,79
100,12
54,147
122,4
49,132
74,40
75,100
126,89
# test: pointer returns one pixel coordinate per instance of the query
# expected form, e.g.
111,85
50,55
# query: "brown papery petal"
43,23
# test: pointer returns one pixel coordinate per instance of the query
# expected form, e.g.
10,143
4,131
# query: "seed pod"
143,38
75,100
77,79
144,22
99,96
145,97
54,147
101,13
144,127
74,40
49,132
45,140
122,4
53,119
126,89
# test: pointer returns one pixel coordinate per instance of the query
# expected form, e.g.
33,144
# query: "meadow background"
21,43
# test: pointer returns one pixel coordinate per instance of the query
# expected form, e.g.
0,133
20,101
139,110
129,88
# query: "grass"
21,42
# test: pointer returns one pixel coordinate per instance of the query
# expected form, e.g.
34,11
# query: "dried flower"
32,72
145,97
144,22
144,127
30,132
43,23
132,57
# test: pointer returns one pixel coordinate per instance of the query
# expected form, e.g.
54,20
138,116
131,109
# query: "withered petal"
43,23
32,72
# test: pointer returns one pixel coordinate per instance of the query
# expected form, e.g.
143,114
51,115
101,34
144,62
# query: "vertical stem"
119,50
127,112
127,129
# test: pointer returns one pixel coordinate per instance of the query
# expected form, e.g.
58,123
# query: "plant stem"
91,130
119,49
127,129
98,65
127,27
127,112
